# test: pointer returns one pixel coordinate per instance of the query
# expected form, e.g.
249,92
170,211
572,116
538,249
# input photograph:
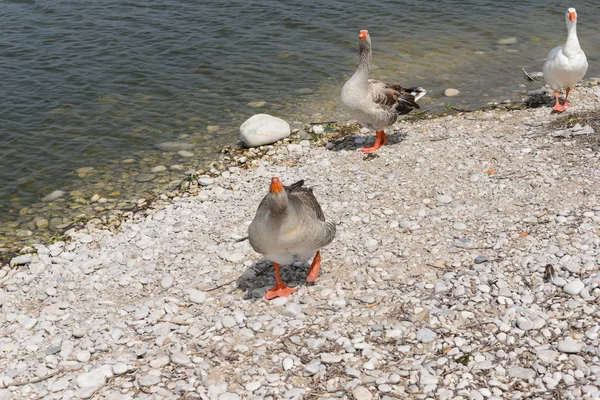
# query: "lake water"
99,84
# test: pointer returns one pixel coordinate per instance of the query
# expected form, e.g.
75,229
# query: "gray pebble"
197,296
362,393
167,282
480,259
444,199
149,380
292,310
180,358
522,373
569,345
573,287
426,335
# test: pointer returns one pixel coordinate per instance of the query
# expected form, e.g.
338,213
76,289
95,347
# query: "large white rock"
261,129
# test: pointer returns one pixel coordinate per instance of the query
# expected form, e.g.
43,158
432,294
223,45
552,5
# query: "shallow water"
101,84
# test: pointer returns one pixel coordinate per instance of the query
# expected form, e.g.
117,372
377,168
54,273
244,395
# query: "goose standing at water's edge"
290,226
566,65
373,103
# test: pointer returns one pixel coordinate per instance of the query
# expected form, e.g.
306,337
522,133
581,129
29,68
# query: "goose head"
364,40
571,16
277,199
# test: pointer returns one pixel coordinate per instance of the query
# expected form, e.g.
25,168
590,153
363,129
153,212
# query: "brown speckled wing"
394,97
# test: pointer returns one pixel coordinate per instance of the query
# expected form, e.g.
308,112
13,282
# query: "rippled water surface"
101,83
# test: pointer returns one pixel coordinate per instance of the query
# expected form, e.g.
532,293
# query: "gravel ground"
466,266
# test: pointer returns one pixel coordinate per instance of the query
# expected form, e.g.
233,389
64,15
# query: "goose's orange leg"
566,103
280,289
557,107
380,140
313,272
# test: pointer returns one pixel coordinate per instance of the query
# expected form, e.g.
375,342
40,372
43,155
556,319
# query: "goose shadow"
349,142
539,100
260,277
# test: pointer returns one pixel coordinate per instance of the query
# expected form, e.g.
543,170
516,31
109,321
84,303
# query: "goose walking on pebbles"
290,226
373,103
566,65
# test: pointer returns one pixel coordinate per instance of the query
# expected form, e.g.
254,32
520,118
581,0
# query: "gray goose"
375,104
290,226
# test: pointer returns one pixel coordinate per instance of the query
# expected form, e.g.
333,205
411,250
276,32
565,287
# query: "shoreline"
111,210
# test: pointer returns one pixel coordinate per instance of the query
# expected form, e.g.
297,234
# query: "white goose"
566,65
375,104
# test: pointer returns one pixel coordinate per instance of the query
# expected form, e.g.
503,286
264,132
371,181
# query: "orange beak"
362,35
572,16
276,185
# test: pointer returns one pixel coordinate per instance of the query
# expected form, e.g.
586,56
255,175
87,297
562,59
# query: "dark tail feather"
407,101
241,240
294,186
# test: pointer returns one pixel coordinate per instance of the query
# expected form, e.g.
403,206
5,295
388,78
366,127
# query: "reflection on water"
90,84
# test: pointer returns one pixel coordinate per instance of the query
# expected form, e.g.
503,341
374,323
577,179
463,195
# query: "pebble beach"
466,266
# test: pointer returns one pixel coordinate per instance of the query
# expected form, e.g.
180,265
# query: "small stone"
425,378
367,299
312,367
120,368
384,388
507,41
149,380
180,358
144,177
570,346
21,260
174,146
95,377
426,335
573,287
59,385
451,92
205,181
481,259
459,226
329,358
252,386
83,356
318,129
160,361
185,153
444,199
55,195
197,296
371,245
5,394
256,104
86,392
228,321
522,373
279,301
292,310
158,168
288,364
362,393
524,324
167,282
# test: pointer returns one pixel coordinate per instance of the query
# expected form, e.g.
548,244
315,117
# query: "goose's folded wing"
388,95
